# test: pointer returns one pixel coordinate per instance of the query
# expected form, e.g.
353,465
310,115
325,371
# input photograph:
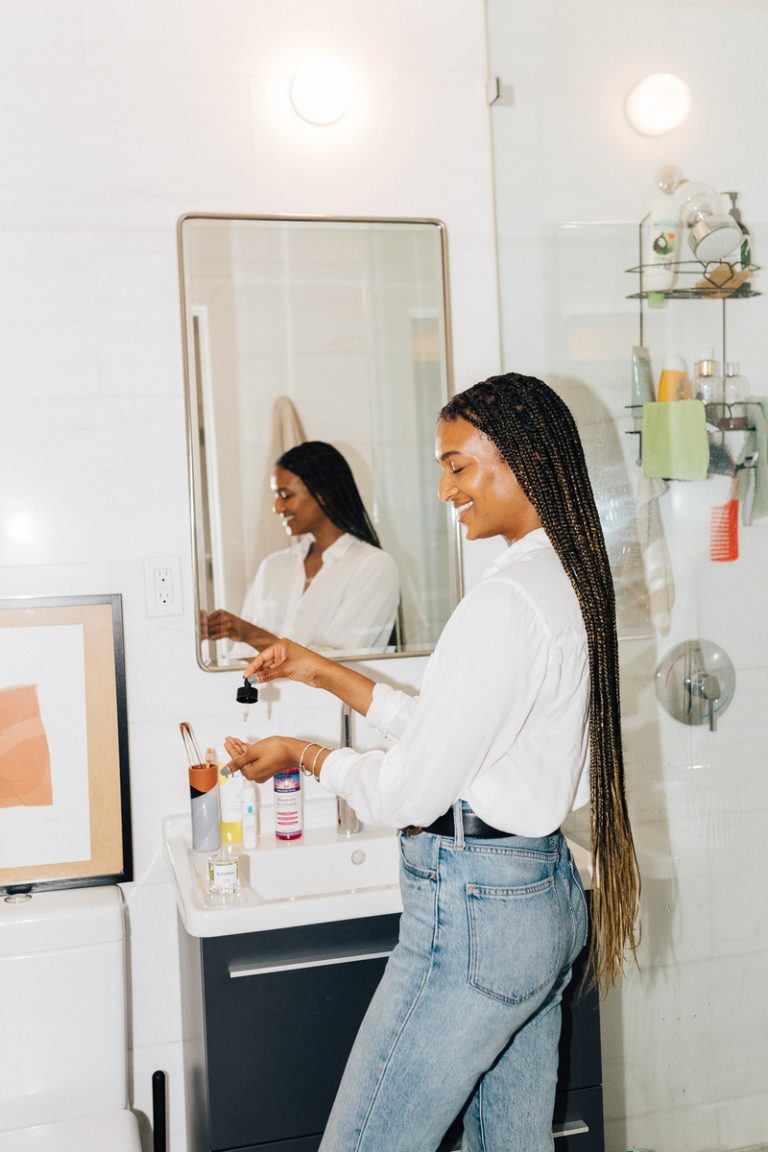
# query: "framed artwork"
65,816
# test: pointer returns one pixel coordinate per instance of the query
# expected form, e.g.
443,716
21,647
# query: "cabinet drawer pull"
295,966
570,1128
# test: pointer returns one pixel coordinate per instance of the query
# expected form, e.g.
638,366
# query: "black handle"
158,1112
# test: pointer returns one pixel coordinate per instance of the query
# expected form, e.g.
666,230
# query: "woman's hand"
287,660
222,625
262,760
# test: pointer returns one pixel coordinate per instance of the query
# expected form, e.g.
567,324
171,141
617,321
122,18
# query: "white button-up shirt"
350,604
502,718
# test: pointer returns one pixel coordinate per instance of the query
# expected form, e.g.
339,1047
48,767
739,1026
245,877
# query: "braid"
328,477
536,435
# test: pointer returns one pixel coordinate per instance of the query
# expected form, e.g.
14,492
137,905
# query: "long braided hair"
328,477
536,435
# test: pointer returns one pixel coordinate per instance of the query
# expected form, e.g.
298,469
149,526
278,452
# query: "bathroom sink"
320,863
323,876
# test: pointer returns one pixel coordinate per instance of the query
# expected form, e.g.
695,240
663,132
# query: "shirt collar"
336,550
333,552
531,542
302,544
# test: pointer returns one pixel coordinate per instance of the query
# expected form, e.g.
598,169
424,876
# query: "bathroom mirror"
316,329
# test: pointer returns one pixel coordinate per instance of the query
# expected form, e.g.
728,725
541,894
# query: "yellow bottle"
230,807
674,383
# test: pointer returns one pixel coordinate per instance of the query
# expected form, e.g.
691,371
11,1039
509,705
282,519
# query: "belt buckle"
413,829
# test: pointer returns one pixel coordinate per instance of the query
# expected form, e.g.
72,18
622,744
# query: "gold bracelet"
302,765
320,749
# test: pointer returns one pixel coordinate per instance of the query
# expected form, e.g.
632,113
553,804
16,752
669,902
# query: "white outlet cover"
163,598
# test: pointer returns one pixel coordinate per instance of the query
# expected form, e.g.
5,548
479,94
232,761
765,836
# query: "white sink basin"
321,862
320,877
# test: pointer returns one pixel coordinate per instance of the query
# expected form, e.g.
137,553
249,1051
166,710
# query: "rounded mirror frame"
365,300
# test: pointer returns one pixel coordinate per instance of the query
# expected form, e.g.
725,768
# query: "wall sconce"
658,104
322,90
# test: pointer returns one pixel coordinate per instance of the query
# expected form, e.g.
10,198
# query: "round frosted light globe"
321,91
658,104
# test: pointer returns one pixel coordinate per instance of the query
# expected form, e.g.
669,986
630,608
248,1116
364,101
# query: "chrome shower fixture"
712,232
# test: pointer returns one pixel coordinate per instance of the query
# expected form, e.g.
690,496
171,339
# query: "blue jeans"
467,1015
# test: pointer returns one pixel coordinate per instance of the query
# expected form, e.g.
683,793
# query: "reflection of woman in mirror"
333,588
517,724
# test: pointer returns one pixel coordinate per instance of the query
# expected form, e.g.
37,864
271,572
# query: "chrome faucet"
347,820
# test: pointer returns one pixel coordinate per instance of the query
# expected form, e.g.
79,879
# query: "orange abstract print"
25,760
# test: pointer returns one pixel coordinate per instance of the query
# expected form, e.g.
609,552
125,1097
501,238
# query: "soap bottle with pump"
741,257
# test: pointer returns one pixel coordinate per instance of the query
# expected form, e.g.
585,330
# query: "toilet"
63,1076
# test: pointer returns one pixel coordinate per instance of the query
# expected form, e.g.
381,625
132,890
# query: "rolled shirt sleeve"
502,719
390,710
467,715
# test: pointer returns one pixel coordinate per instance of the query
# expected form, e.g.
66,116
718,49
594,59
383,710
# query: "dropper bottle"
247,694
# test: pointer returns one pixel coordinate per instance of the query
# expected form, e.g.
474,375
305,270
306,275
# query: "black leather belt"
473,827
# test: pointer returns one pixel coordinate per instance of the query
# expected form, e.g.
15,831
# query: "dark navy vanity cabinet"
578,1119
272,1016
269,1018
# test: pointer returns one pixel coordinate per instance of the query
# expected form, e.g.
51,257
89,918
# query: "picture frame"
65,813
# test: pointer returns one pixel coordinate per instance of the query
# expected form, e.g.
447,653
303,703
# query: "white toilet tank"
62,991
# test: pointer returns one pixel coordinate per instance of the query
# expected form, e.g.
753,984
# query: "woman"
517,714
334,588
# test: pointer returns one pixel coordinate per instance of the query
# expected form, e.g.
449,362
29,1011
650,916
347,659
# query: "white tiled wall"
684,1041
115,119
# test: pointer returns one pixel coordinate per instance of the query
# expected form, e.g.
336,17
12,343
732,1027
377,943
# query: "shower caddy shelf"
737,285
733,284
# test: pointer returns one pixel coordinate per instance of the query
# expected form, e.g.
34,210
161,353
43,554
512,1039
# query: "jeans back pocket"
514,939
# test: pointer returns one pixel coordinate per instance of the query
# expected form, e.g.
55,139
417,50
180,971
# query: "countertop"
323,876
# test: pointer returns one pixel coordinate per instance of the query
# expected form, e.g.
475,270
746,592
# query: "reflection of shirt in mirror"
350,605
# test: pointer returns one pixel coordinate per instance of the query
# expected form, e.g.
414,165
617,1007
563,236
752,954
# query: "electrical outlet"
162,585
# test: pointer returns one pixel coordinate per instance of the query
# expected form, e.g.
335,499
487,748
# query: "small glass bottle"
223,872
708,383
289,822
737,387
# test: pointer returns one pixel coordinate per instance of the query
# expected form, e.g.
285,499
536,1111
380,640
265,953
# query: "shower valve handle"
706,686
695,682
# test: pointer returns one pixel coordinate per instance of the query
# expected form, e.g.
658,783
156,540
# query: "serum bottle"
249,815
289,820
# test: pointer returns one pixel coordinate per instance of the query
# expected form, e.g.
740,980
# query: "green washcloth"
675,440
